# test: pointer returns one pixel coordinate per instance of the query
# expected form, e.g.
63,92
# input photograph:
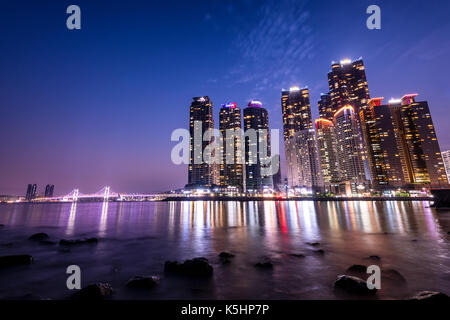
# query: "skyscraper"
446,158
326,145
348,149
200,173
299,139
420,152
303,161
31,192
296,111
326,110
348,85
231,166
257,148
49,190
382,151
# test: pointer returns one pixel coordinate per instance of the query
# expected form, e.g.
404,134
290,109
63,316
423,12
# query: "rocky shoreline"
349,285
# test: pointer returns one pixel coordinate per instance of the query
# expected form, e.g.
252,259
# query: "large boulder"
143,282
431,296
38,236
353,285
194,267
94,292
15,260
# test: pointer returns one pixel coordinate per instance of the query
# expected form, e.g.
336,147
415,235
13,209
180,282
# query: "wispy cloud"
275,47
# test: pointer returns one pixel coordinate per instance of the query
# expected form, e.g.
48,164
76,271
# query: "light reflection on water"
307,217
137,237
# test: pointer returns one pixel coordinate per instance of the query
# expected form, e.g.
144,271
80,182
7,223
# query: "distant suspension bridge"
105,194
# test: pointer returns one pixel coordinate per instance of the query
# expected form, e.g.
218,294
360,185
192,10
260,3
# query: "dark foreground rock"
314,244
357,268
143,282
15,260
432,296
320,251
94,292
2,225
195,267
38,236
353,285
375,257
64,242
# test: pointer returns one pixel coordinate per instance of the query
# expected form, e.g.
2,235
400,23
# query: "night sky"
97,106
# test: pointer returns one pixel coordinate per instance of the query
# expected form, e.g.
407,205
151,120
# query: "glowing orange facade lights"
347,107
376,101
323,121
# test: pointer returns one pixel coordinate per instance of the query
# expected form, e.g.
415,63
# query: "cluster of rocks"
43,238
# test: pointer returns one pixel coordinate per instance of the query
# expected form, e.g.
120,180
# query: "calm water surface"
137,238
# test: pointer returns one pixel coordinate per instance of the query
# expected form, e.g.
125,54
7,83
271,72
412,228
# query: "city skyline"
94,131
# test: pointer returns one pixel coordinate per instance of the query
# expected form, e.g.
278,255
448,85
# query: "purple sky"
97,107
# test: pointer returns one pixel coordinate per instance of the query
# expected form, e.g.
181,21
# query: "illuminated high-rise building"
49,190
419,148
326,110
347,83
302,161
231,166
326,145
201,120
446,159
31,192
382,151
296,110
257,148
351,167
299,140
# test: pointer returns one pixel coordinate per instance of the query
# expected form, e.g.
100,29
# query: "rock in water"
375,257
64,242
194,267
431,296
264,264
143,282
226,255
353,285
15,260
38,236
197,267
297,255
94,292
357,268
